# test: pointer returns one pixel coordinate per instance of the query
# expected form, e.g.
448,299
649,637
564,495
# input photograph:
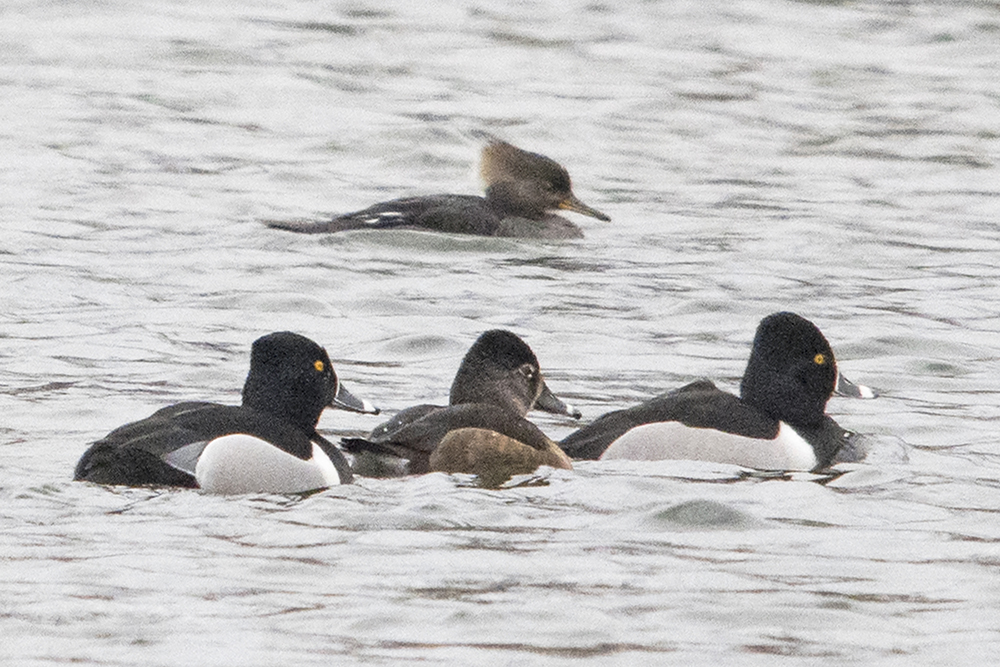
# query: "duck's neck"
514,199
782,398
283,403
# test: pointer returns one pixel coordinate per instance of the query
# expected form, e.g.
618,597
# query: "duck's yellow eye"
819,359
319,365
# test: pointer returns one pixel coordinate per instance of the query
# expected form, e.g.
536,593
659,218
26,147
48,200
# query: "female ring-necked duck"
521,190
269,444
497,383
777,423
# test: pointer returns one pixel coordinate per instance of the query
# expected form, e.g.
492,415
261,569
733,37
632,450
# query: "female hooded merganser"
483,431
777,423
521,189
269,444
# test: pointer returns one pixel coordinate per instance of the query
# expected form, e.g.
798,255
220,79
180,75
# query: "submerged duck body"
498,382
522,190
777,423
268,444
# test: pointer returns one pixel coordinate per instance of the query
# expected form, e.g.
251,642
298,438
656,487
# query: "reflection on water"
838,160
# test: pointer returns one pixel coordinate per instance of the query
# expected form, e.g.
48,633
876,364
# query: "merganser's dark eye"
527,371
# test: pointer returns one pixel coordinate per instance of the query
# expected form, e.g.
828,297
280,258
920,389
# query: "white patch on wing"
242,463
675,441
385,216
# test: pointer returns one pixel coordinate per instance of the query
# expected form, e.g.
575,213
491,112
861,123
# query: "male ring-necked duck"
269,444
497,383
777,423
521,190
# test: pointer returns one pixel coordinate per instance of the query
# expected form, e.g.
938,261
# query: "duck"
777,423
268,444
522,190
482,431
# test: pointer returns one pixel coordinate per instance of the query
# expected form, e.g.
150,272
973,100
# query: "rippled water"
835,159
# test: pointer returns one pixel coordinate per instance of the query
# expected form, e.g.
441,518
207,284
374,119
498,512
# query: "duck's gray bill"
847,388
549,402
345,400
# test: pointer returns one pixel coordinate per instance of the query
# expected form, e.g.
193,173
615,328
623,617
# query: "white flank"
674,441
241,463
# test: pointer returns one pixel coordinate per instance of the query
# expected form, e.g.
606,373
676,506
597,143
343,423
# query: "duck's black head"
292,378
792,372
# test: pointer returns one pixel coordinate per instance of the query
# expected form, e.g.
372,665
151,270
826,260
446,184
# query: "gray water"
835,159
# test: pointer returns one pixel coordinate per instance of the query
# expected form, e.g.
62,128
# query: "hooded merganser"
777,423
269,444
498,382
521,189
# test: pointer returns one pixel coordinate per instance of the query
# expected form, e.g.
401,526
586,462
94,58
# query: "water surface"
835,159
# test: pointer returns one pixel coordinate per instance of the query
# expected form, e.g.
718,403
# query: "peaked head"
501,369
528,184
792,371
292,378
